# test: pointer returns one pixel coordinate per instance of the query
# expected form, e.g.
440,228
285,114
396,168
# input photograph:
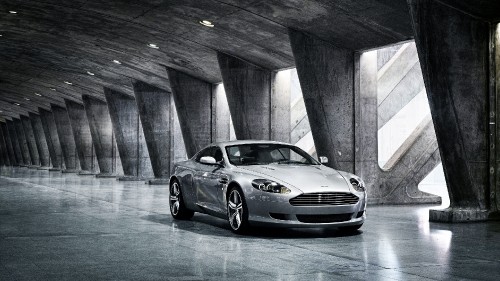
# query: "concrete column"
177,147
280,105
30,140
4,157
8,144
221,125
54,146
254,94
66,139
456,59
83,139
326,75
103,137
41,142
129,136
154,110
15,143
23,144
193,101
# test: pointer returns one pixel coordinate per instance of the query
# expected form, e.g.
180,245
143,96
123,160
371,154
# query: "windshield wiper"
290,162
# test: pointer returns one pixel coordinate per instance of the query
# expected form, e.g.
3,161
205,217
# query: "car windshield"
263,154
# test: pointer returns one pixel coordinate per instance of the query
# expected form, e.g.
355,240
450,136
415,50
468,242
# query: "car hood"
307,178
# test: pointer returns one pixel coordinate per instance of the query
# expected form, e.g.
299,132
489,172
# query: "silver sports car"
265,182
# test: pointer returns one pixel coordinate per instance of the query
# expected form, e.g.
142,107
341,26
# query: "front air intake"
320,199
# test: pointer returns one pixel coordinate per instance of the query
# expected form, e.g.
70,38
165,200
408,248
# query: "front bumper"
276,210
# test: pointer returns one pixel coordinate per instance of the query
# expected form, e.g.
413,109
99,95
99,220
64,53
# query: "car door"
207,181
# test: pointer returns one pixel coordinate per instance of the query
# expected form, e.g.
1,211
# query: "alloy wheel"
235,210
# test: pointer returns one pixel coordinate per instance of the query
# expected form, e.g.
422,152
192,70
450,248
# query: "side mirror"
323,159
208,160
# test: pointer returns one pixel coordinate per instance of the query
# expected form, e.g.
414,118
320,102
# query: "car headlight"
270,186
357,184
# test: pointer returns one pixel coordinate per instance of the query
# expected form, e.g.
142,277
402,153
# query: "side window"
205,152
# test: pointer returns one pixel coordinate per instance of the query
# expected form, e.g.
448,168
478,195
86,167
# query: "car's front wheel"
177,207
237,211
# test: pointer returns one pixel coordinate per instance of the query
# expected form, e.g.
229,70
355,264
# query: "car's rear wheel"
237,211
177,207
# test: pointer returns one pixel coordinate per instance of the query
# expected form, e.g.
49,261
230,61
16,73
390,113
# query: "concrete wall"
154,111
83,138
41,142
23,143
66,139
129,136
50,131
8,143
4,157
30,140
15,142
193,102
103,138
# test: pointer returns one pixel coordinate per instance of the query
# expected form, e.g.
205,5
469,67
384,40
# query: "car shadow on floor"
205,224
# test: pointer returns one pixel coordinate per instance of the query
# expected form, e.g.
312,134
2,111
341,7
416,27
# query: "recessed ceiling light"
206,23
90,73
37,94
117,61
53,89
1,35
26,98
69,83
13,12
154,46
18,104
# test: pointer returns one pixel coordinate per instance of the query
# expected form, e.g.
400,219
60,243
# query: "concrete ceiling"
48,42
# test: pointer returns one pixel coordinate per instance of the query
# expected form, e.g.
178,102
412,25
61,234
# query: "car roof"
239,142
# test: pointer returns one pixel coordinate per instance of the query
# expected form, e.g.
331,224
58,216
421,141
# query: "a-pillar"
11,126
3,149
326,75
52,138
23,144
129,136
154,110
103,137
8,144
253,95
457,57
66,139
30,140
83,139
41,142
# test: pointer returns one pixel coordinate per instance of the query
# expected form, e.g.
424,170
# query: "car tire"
178,209
237,211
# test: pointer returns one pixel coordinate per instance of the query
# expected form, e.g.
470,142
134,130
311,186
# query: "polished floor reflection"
57,226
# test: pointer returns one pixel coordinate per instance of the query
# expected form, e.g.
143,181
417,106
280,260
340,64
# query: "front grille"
330,198
324,218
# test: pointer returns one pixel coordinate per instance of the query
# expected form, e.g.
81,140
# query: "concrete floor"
57,226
